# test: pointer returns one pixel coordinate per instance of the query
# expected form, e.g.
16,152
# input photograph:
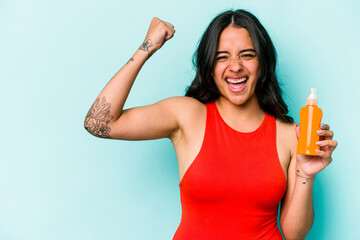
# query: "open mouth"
236,85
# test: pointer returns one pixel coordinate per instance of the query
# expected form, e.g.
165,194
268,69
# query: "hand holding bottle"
315,144
311,165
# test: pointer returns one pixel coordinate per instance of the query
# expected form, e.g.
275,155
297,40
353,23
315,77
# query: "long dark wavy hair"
267,89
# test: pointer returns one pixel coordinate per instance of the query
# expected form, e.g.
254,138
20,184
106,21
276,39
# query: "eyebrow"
244,50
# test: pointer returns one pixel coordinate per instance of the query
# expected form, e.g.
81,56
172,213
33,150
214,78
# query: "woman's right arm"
106,118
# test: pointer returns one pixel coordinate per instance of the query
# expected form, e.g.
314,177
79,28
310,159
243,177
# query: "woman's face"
236,66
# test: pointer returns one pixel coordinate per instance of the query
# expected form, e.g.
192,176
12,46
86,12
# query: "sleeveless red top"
233,187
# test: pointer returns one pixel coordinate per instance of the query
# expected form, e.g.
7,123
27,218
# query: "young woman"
235,144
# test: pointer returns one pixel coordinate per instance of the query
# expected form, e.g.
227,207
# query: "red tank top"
233,187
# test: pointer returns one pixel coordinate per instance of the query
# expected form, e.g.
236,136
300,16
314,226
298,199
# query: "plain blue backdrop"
58,182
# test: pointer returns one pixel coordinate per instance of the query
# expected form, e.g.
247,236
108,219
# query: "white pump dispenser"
312,98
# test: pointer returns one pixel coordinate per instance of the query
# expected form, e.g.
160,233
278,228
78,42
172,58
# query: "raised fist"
158,33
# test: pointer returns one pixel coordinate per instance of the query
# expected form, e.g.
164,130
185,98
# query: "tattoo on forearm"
130,60
306,179
98,118
146,45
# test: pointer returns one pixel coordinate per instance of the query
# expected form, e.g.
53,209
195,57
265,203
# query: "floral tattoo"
98,118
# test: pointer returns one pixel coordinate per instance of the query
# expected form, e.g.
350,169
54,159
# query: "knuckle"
325,126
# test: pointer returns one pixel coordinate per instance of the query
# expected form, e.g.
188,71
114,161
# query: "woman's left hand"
311,165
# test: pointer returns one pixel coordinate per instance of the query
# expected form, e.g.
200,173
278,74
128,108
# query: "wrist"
303,177
148,47
306,168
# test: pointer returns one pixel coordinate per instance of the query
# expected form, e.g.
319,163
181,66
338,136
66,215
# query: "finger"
169,34
171,30
328,143
324,155
325,126
326,134
158,21
169,25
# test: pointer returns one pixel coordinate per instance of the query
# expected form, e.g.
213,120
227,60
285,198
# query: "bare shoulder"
183,101
184,108
191,117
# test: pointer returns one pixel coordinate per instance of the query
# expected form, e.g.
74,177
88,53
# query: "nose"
235,65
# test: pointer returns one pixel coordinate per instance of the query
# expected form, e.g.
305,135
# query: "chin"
234,100
242,100
239,102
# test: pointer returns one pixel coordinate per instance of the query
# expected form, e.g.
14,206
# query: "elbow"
292,237
97,129
294,233
89,129
296,229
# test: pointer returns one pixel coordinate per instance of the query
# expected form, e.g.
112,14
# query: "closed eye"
221,58
247,56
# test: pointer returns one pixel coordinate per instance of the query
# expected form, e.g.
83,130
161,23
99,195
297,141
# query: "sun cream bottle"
310,120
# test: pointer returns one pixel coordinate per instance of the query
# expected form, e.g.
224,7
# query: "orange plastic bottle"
310,120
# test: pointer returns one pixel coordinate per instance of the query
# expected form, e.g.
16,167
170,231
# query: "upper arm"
291,140
159,120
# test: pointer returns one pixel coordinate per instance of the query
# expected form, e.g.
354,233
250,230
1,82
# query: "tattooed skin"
98,118
130,60
306,179
146,45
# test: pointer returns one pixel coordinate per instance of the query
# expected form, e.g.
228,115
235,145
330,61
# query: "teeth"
236,80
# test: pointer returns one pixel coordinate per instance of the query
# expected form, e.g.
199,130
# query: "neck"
245,117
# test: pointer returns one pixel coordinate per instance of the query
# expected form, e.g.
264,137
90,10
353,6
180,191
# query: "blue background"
58,182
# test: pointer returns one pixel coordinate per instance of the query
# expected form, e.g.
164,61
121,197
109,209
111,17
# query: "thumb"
297,130
169,33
